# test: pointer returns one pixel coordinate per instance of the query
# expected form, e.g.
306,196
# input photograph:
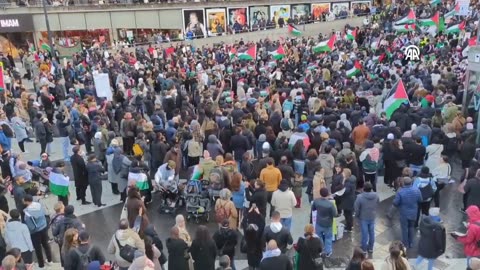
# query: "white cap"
390,136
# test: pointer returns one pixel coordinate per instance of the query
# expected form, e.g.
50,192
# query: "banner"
102,86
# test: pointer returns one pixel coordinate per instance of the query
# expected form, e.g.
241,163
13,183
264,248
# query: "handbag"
124,213
316,261
126,252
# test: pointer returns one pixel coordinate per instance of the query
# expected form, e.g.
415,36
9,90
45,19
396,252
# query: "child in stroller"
198,202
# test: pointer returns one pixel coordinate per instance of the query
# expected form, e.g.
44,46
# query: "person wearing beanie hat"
259,145
283,200
326,211
407,201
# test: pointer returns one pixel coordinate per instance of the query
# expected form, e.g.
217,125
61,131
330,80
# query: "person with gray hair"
274,259
225,209
407,200
124,236
9,263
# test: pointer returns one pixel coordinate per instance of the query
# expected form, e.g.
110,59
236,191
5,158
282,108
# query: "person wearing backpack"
38,227
82,256
427,186
369,159
432,241
226,240
225,209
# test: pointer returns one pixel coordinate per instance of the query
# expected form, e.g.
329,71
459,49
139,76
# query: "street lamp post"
49,33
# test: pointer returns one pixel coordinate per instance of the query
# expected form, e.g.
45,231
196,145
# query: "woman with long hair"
357,259
309,247
337,185
237,186
70,242
203,250
136,209
399,162
152,252
396,260
252,246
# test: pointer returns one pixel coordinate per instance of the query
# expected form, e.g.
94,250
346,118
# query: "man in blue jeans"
366,210
407,200
326,211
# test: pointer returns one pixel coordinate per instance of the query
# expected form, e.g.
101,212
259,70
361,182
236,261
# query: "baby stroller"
198,204
172,197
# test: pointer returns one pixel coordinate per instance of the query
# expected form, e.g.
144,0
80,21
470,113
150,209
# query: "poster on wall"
361,8
340,10
216,21
300,10
320,10
258,17
280,11
194,23
237,18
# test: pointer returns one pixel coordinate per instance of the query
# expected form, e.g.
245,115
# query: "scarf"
271,253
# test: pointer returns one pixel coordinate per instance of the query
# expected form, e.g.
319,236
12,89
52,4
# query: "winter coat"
326,211
203,255
133,205
275,231
469,241
230,209
94,170
20,128
17,235
125,237
280,262
472,191
284,200
226,241
119,178
259,198
213,147
73,261
327,162
308,249
67,222
407,200
432,238
366,206
79,170
348,198
254,248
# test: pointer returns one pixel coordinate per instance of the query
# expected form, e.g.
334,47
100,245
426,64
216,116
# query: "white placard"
102,86
65,62
464,7
155,54
52,70
106,55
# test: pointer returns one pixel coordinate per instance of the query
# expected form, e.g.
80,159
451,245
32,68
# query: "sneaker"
328,254
48,263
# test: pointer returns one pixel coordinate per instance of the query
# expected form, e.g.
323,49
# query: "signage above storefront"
16,23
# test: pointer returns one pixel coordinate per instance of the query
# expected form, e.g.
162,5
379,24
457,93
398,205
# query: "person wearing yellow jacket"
271,176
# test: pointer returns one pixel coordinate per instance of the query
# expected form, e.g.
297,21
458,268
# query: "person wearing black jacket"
226,241
415,152
152,233
74,255
79,174
40,132
275,231
68,221
257,196
274,259
432,241
239,145
309,247
158,151
203,250
47,103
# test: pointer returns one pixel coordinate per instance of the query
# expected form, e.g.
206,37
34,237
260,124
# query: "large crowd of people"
251,137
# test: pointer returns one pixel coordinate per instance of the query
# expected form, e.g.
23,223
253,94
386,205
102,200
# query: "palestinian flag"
278,53
409,19
299,136
197,173
455,29
471,42
394,98
435,2
404,28
350,34
355,70
326,45
58,184
169,51
434,20
139,179
232,53
249,54
46,47
293,30
375,44
312,66
379,58
371,76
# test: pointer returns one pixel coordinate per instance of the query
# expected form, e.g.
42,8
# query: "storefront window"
11,43
85,38
144,36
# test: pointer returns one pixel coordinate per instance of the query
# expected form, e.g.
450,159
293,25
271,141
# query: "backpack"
84,260
427,191
7,130
452,145
216,178
221,214
369,166
439,239
137,150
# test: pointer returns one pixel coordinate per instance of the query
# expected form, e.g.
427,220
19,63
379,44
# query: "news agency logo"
412,53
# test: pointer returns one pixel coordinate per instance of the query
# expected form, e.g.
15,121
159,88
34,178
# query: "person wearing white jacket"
283,201
17,235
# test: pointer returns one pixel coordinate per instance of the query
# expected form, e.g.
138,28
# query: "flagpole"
49,32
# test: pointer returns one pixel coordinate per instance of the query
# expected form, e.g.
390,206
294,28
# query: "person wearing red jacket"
472,237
